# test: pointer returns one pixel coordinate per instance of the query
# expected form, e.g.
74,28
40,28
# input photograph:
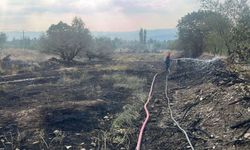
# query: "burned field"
209,102
99,105
55,105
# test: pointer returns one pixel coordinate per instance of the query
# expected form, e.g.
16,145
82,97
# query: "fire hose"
138,146
172,117
147,114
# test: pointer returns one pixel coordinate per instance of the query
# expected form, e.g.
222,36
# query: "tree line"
218,27
69,41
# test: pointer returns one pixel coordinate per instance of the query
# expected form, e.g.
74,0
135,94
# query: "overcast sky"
98,15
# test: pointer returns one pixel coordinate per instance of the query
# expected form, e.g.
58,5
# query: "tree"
145,36
141,35
192,31
141,46
241,36
220,34
3,39
241,32
205,30
214,43
237,27
103,49
67,41
212,5
229,8
104,46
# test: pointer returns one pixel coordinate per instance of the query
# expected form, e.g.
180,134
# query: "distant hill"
157,34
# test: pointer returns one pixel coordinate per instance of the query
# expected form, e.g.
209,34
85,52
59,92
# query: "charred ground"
98,105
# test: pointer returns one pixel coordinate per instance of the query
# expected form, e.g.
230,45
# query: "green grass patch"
123,124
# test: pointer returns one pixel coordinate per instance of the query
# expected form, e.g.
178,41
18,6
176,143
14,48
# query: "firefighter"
167,62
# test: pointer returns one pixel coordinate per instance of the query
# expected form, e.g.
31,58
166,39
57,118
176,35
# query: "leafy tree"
229,8
212,5
219,28
192,32
241,36
103,49
67,41
104,46
3,39
205,30
241,32
237,26
214,43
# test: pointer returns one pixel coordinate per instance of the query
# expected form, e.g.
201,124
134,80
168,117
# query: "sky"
98,15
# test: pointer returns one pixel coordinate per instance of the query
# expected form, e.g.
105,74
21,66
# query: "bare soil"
211,104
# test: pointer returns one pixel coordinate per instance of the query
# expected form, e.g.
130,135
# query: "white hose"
171,113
